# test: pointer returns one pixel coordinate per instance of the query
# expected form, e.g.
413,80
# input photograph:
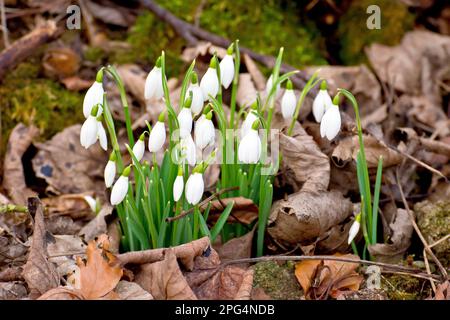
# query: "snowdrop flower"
153,84
322,102
139,147
210,83
188,150
195,186
249,150
94,95
288,102
89,129
120,188
157,135
205,133
93,204
101,134
249,119
269,85
110,170
197,95
331,121
185,118
178,185
354,229
227,68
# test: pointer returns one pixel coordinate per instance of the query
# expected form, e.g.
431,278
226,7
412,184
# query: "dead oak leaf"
305,271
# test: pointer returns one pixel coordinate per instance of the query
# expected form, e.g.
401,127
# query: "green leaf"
221,221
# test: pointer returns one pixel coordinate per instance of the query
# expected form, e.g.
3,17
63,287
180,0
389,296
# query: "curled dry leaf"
237,248
62,293
61,62
14,178
429,144
133,77
68,167
12,291
108,14
97,226
39,273
131,291
244,210
246,93
72,205
61,250
443,291
400,239
75,83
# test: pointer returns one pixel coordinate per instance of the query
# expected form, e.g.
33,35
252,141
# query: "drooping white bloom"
226,70
288,102
185,122
93,96
110,173
205,132
189,150
120,188
157,137
101,135
197,125
194,188
269,85
322,102
197,95
153,84
249,150
354,229
331,122
210,83
248,122
178,187
139,148
89,131
91,202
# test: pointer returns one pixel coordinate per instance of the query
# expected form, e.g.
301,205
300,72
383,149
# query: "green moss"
354,35
95,54
400,287
32,100
277,281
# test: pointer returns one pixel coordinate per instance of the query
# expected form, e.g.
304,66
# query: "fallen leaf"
244,210
246,93
12,291
259,294
62,293
443,291
38,272
108,14
131,291
258,78
60,62
75,83
305,272
237,248
73,205
97,226
14,182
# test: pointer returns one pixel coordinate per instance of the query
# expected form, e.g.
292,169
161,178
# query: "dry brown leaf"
108,14
244,210
443,291
97,276
237,248
258,78
61,62
246,93
133,78
62,293
131,291
38,272
164,280
245,290
259,294
305,272
14,181
68,167
97,226
75,83
73,205
12,291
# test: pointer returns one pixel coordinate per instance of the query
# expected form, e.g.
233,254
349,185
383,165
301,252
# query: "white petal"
153,84
178,186
334,123
93,96
194,188
157,137
209,84
248,122
226,71
91,202
185,122
197,98
102,136
88,133
269,85
110,173
354,229
249,150
139,149
321,103
189,150
205,134
119,190
288,104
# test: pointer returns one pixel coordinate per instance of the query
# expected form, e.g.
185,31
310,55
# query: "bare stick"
4,24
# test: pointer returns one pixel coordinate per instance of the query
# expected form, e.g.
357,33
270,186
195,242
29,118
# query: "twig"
4,24
419,233
204,202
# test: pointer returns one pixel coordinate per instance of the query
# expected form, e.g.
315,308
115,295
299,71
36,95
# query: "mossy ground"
403,287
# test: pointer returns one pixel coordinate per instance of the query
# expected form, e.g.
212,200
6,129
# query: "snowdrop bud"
249,150
354,229
194,187
139,147
94,95
188,150
157,135
227,68
153,84
205,132
288,102
249,119
92,203
120,188
331,121
89,129
178,185
269,85
110,170
185,118
101,134
197,95
322,102
210,83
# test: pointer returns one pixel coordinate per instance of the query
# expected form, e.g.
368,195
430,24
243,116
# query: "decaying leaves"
97,226
244,210
72,205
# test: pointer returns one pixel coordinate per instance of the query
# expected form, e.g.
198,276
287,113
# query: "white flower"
331,123
197,125
101,135
188,150
185,122
197,98
194,188
110,173
93,96
91,202
322,102
89,131
157,137
153,84
226,70
269,85
204,132
210,83
249,150
288,102
139,148
119,190
354,229
248,122
178,187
